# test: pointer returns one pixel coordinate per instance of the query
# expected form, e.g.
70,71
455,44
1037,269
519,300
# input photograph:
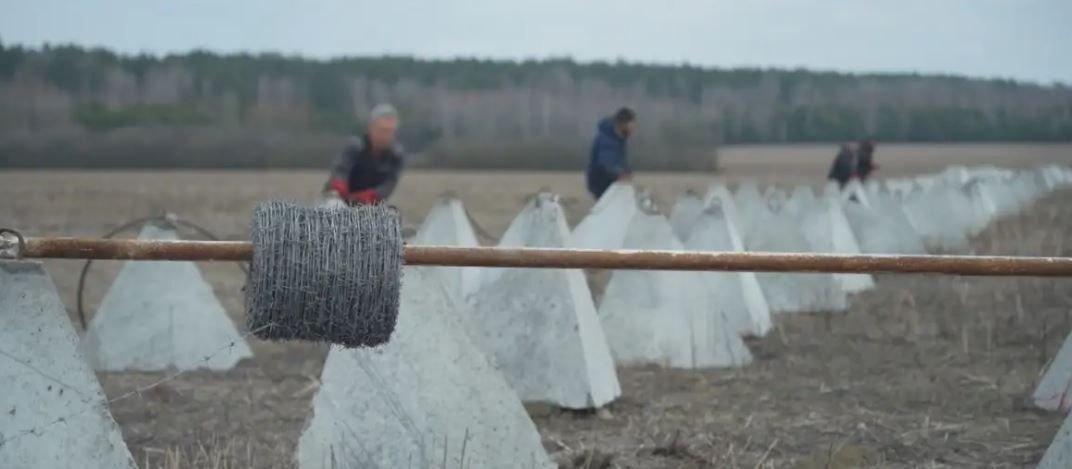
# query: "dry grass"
924,371
213,453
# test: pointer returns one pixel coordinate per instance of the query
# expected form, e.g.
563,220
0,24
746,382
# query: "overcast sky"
1023,39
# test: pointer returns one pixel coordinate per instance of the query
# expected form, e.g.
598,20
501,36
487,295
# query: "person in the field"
607,161
845,166
368,168
865,152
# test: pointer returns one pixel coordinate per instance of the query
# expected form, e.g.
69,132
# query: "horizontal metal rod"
133,249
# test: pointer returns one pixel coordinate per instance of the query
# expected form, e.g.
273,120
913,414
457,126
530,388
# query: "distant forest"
75,106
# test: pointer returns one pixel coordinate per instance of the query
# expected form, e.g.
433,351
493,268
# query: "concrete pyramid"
831,189
956,175
54,413
666,318
774,193
428,398
1054,176
928,181
991,172
540,325
900,187
1059,454
981,208
854,192
161,315
884,227
718,194
1026,188
685,213
938,215
448,224
801,201
737,294
775,231
1054,391
1004,195
827,229
604,227
751,205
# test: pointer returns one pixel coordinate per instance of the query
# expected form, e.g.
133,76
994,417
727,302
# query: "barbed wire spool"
325,274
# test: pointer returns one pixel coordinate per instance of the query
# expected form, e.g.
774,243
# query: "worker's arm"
339,178
612,161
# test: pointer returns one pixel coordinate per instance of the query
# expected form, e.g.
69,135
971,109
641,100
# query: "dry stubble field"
921,372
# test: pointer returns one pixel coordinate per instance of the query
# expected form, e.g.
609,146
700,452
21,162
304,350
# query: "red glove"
339,185
366,196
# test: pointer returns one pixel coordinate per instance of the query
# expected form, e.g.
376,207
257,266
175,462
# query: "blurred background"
518,85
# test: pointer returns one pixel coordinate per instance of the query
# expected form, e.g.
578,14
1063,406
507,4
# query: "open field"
920,372
803,163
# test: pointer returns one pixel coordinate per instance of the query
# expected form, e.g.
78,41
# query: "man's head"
382,125
624,121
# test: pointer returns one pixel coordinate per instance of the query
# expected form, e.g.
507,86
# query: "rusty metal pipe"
182,250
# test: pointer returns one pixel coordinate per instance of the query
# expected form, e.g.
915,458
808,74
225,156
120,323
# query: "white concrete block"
160,315
428,398
540,325
54,413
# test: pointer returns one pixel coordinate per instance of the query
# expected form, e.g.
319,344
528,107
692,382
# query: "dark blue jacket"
607,160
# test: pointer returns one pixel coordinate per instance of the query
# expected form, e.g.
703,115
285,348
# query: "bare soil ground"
921,372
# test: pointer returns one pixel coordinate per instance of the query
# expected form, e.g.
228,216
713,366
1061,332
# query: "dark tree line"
504,113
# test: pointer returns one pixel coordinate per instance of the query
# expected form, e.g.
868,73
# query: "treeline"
476,112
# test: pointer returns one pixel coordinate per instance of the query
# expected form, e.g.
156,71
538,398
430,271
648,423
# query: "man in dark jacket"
368,169
865,152
607,161
845,167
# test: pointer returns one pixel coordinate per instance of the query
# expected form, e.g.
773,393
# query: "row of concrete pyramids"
122,337
908,216
538,329
395,406
431,381
946,209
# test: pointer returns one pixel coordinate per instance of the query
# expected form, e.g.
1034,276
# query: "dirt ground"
923,371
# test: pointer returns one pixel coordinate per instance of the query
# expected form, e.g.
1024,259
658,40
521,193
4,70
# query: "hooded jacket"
607,159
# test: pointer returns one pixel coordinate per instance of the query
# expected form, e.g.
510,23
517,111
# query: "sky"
1020,39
